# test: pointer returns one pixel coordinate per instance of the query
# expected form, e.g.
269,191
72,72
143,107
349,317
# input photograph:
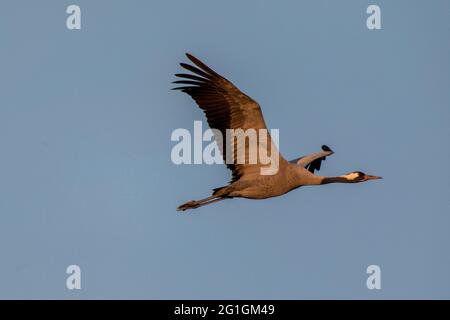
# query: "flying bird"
226,107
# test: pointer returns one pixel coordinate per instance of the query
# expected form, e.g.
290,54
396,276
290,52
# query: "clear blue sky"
85,170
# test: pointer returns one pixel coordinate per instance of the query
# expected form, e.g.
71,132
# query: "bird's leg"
209,202
198,203
202,201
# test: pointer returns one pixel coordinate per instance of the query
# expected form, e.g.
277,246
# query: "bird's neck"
311,179
340,179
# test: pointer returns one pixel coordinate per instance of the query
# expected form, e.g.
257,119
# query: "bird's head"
358,176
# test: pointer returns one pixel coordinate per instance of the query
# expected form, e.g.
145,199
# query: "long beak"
368,177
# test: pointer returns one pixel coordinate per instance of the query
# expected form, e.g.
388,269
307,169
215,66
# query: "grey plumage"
313,161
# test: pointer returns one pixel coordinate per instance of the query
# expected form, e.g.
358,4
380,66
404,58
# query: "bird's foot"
189,205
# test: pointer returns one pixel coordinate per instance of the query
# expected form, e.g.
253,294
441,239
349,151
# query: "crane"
226,107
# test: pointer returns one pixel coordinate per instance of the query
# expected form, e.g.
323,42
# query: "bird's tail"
218,194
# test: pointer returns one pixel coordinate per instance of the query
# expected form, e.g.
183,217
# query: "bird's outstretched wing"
313,161
225,107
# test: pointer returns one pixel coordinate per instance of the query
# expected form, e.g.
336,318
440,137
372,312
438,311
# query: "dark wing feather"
313,162
225,107
315,165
